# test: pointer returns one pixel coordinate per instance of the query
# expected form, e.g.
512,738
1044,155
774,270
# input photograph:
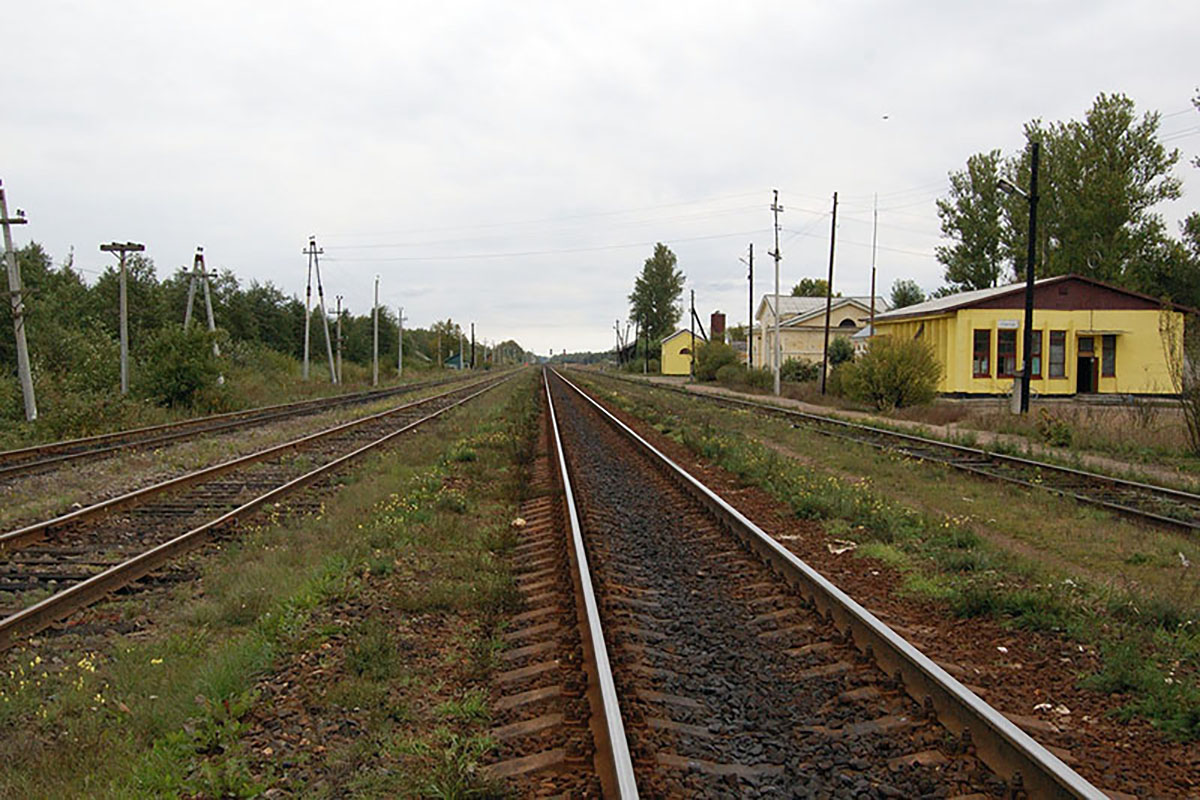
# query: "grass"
168,714
1033,560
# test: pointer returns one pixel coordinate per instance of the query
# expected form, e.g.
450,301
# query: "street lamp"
1008,187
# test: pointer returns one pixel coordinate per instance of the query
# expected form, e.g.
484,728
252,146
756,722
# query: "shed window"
1006,353
1035,357
981,365
1058,354
1108,355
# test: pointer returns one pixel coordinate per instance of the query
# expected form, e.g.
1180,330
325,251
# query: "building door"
1085,381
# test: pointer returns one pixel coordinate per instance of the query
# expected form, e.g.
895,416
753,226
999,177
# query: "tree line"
73,326
1099,180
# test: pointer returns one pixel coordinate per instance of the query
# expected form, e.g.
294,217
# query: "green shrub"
177,366
799,370
1053,429
730,375
710,357
835,384
893,373
841,350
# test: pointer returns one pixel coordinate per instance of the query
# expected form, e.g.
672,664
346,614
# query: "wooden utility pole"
874,240
375,348
778,351
692,325
18,306
121,248
472,345
339,338
750,313
829,296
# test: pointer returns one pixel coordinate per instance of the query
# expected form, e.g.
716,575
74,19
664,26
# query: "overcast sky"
514,163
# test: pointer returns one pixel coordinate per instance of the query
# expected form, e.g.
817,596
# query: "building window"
1006,354
1108,355
1035,358
981,365
1058,354
1087,346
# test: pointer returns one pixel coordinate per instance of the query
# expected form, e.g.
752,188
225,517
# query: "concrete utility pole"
874,240
375,350
121,249
829,296
400,344
316,253
778,352
339,338
18,305
310,251
200,275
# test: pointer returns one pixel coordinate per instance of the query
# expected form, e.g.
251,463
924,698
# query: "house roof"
864,303
791,307
953,302
681,332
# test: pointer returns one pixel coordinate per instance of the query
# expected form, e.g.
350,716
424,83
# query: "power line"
558,251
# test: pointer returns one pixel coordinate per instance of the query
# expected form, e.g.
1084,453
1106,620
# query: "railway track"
53,568
20,462
718,664
1158,505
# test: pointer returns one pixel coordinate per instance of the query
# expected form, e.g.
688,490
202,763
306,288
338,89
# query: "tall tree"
1101,178
906,292
656,293
971,217
810,287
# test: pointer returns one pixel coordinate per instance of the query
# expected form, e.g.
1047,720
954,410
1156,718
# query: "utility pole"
1030,253
750,312
775,207
461,363
310,251
121,249
692,323
874,241
375,349
400,343
316,252
441,364
472,345
200,275
339,338
829,296
18,305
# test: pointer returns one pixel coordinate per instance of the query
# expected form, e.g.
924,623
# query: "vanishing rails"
39,458
52,568
1159,505
718,663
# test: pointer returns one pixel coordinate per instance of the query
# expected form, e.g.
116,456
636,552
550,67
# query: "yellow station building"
1089,337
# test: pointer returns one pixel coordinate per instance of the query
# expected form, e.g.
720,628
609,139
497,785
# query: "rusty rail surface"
82,594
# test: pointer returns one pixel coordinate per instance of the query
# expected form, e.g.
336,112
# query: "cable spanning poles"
18,305
314,265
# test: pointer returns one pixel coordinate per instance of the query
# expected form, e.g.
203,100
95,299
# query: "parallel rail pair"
83,593
999,743
14,463
1159,505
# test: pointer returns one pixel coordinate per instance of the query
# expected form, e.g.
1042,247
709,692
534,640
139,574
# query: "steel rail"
64,603
1000,744
611,733
20,537
43,455
976,455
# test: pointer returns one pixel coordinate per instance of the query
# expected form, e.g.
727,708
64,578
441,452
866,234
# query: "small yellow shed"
677,352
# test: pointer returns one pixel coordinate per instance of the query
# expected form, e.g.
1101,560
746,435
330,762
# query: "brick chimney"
717,326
